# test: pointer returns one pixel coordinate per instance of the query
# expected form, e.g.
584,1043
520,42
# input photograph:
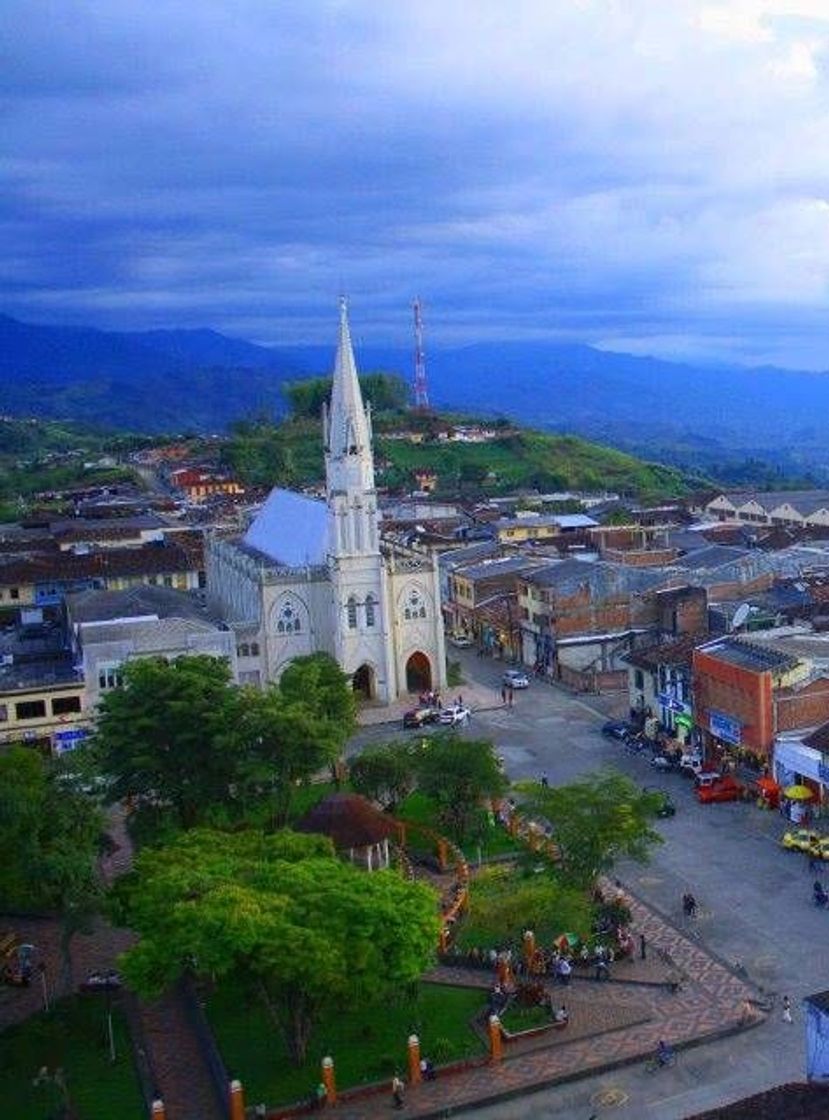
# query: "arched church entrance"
363,682
418,673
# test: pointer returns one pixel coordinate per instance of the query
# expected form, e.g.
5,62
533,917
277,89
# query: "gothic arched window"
371,603
288,620
351,612
415,606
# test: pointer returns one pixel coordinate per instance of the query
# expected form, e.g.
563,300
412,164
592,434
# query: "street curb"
442,1113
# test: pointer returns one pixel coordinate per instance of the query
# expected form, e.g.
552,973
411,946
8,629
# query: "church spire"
348,423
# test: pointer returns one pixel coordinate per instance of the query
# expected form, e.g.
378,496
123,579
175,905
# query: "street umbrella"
798,793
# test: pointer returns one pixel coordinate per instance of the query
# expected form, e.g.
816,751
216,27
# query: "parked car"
455,716
800,839
419,717
461,641
516,678
663,762
693,765
617,729
725,788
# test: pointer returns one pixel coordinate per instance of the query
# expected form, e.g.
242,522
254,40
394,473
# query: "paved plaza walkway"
613,1024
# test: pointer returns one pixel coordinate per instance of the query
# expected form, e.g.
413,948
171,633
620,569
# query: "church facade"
312,575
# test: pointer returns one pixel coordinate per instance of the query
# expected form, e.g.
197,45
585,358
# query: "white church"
312,575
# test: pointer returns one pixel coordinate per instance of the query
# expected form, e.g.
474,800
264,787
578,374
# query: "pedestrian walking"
787,1010
643,947
544,781
510,695
503,694
396,1092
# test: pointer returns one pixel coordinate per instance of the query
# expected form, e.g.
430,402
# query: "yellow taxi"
801,840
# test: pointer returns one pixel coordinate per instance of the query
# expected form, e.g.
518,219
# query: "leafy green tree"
165,736
308,930
283,743
50,837
598,820
318,683
458,774
386,391
385,774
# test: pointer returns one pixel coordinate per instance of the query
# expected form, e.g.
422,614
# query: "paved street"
755,906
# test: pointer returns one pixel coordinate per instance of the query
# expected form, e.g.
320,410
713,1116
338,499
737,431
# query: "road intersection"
755,903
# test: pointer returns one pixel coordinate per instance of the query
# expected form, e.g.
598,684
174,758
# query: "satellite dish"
740,615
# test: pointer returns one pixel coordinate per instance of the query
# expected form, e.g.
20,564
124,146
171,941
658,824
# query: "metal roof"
748,655
290,529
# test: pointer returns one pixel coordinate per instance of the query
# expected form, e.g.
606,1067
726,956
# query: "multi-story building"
108,628
745,692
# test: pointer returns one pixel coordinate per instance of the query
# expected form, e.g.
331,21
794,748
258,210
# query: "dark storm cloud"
649,177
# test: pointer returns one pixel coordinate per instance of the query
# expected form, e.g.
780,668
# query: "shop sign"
68,740
673,705
724,727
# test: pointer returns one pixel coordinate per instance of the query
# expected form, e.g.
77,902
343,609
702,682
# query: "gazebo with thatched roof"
355,827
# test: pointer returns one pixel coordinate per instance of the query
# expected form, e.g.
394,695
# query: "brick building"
739,690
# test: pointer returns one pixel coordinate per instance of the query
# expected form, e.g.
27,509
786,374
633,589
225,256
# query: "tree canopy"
165,734
180,735
458,773
307,929
596,821
385,774
50,837
386,391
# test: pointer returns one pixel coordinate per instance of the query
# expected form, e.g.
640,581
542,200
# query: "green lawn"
367,1043
506,900
72,1037
494,841
517,1018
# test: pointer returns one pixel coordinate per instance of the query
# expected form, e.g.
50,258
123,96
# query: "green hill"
290,454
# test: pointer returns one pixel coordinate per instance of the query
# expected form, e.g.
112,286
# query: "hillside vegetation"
290,454
38,456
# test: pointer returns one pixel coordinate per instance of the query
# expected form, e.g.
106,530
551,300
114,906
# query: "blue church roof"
291,529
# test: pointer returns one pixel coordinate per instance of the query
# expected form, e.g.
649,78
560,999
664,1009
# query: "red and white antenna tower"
421,391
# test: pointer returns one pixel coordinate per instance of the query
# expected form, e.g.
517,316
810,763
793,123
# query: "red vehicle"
726,788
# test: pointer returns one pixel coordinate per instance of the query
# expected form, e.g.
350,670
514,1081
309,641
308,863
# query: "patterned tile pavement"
712,1002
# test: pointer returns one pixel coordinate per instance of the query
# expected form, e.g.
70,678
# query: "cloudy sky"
639,174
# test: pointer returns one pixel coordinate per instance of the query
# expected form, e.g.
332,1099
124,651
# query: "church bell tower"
356,568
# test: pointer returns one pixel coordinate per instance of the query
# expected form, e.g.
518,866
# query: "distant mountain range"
200,380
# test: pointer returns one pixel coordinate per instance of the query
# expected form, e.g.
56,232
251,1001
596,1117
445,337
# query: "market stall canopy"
798,793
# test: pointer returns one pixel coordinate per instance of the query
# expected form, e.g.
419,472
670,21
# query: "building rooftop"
749,655
804,501
679,652
290,529
602,578
46,672
93,607
496,567
150,635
